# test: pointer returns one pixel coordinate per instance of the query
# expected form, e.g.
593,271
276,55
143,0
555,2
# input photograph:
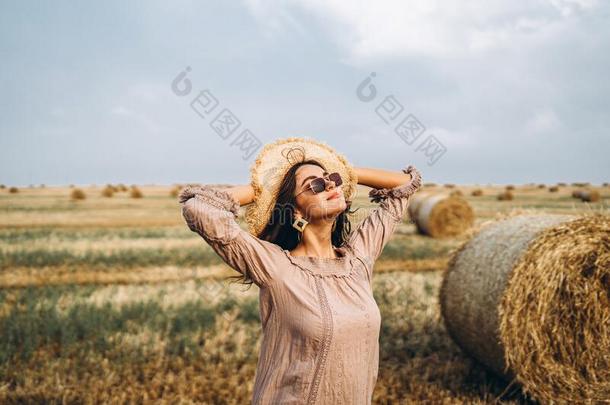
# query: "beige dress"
319,318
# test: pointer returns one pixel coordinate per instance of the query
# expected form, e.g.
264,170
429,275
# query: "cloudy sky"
505,91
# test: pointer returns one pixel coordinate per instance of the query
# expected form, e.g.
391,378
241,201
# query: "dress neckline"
341,251
325,266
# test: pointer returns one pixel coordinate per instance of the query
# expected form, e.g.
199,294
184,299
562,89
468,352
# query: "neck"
316,240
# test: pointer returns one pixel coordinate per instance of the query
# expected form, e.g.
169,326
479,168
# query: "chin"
336,206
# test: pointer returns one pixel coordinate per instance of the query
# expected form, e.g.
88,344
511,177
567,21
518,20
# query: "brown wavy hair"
279,229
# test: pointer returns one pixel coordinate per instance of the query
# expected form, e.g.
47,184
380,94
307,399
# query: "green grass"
125,258
36,320
409,248
18,236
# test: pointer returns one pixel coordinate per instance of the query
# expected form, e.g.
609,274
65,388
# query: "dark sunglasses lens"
318,185
336,177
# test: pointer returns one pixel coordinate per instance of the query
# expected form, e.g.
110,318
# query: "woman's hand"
381,178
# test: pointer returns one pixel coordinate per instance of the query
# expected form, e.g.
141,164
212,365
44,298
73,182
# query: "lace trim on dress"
402,191
217,197
328,334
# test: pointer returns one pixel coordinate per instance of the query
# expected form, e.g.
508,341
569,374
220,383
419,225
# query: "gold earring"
299,224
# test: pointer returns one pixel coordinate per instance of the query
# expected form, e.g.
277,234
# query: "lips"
333,196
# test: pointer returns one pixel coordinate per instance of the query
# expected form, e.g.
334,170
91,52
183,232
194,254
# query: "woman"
319,318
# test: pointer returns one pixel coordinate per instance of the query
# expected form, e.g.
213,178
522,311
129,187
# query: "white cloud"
569,7
389,28
276,19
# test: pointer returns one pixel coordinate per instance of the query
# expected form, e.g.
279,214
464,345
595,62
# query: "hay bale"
576,193
589,195
108,191
456,193
135,192
529,296
477,192
13,190
440,215
554,189
174,192
510,187
77,194
505,196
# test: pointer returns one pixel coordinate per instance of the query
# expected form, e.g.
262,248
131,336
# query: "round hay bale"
554,189
589,195
576,193
108,191
529,296
505,196
456,192
78,194
135,192
440,215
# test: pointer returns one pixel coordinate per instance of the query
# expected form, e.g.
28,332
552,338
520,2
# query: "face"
327,204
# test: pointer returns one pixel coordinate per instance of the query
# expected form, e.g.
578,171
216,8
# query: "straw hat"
272,164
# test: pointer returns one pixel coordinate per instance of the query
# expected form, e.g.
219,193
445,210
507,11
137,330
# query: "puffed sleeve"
212,213
375,230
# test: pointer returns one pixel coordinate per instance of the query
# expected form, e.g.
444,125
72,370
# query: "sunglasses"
318,184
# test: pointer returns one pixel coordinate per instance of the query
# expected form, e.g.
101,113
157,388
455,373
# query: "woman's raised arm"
381,178
392,190
244,194
212,213
376,178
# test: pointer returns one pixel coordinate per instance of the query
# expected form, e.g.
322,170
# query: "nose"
329,182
